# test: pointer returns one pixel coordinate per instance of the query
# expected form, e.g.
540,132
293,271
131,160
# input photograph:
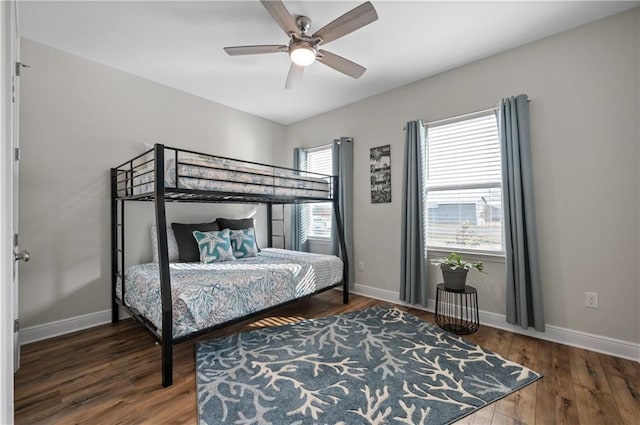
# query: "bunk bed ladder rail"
270,220
117,244
114,245
341,237
163,264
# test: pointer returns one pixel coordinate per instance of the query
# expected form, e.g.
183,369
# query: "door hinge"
19,66
16,154
15,239
16,325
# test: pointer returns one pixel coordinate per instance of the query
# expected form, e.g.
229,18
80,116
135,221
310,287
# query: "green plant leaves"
454,261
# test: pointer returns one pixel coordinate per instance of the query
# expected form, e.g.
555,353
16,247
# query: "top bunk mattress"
205,295
210,173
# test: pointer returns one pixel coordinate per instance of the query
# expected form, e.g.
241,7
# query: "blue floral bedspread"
205,295
220,174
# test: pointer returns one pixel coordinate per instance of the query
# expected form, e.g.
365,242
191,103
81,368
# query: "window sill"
497,257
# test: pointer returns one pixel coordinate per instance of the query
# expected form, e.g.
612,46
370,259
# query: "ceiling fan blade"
341,64
281,15
254,50
294,76
354,19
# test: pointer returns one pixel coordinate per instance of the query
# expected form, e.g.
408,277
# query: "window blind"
319,215
320,161
462,174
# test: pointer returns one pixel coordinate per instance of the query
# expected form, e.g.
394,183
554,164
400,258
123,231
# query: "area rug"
375,366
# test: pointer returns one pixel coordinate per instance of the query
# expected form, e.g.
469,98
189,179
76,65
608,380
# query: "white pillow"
172,245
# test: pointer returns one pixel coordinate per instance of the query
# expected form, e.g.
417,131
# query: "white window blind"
319,215
320,161
462,174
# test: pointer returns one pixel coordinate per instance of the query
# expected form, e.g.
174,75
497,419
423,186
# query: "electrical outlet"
591,299
361,266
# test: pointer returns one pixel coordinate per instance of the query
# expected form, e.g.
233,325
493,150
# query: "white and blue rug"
376,366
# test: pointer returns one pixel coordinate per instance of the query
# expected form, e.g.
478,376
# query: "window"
462,180
319,215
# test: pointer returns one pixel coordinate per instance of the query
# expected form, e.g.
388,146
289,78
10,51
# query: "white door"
15,140
8,179
14,158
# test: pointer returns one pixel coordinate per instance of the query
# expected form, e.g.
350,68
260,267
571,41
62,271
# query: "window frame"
426,188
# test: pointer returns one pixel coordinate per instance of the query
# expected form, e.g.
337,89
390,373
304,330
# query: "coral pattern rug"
376,366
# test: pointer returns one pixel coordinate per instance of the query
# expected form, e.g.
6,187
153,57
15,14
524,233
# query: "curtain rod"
457,117
317,148
326,145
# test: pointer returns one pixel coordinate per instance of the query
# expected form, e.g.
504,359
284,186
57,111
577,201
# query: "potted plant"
455,269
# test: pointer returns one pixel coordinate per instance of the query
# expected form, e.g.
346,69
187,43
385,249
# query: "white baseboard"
65,326
601,344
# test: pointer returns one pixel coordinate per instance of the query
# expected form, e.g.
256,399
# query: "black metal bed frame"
125,178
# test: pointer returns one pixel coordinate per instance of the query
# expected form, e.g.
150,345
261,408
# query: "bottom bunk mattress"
206,295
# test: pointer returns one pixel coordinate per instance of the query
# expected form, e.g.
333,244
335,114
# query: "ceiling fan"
304,48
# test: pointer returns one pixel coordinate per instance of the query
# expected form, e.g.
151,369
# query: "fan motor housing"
302,44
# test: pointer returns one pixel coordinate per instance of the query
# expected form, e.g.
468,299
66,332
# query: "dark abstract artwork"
380,163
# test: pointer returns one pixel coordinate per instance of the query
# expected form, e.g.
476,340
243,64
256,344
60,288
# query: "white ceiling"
179,44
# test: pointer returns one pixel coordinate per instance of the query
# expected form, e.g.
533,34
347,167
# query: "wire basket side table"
457,311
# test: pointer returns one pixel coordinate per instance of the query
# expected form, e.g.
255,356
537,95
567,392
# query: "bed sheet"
205,295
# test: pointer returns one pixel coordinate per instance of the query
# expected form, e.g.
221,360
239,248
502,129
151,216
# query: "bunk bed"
165,174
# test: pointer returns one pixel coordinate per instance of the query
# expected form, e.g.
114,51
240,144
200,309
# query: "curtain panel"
414,272
299,225
524,289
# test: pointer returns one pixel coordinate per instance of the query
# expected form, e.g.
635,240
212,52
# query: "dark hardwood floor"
110,374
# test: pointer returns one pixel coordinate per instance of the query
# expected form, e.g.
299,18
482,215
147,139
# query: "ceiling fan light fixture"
303,47
302,53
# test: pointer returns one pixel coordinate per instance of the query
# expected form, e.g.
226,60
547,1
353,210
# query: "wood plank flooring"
110,374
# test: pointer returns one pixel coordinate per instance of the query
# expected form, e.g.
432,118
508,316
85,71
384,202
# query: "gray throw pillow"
187,245
236,224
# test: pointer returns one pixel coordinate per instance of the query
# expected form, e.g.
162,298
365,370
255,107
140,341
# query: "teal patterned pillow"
244,243
214,246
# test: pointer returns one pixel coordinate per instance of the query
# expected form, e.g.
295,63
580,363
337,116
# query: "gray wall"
78,119
583,86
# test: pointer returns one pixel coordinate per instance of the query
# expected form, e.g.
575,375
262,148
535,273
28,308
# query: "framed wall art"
380,164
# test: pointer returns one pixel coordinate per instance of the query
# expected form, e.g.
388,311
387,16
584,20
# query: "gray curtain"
524,291
342,155
299,223
414,273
